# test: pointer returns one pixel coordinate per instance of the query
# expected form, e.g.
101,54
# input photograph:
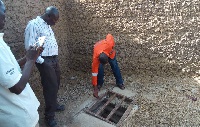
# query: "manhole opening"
111,107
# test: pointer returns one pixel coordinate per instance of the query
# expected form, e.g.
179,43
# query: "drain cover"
111,107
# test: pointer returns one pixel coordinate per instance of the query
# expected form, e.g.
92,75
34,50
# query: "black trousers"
50,79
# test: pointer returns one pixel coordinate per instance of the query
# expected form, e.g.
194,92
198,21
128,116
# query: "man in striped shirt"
47,63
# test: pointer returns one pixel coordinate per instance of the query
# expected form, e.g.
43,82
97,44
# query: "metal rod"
103,107
100,99
119,113
125,115
116,107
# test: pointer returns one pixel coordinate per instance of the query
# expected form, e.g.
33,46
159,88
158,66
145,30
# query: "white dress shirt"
37,28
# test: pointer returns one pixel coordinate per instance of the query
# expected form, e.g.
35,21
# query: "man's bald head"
51,10
51,15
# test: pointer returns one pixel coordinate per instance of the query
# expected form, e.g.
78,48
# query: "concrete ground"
82,119
163,101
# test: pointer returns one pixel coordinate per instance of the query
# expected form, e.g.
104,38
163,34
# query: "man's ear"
48,16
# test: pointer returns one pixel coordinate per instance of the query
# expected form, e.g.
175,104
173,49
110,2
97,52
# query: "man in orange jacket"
103,53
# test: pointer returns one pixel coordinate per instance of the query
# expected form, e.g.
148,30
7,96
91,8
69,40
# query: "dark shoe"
121,86
60,108
51,122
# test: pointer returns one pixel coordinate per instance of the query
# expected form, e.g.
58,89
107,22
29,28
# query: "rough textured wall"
19,12
153,36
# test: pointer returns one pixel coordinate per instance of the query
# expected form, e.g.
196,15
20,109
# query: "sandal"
122,87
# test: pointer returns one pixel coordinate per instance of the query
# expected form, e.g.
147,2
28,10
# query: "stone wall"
154,36
160,37
19,12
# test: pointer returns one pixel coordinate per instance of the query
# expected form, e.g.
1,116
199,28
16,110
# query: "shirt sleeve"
10,74
112,49
112,54
31,38
95,66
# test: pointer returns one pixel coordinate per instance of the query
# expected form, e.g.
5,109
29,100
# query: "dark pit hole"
118,100
107,110
98,105
117,115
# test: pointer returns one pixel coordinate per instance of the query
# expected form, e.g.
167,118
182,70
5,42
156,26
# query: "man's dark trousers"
50,79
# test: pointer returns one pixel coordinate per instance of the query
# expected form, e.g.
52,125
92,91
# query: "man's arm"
31,38
112,54
31,57
95,66
19,87
22,61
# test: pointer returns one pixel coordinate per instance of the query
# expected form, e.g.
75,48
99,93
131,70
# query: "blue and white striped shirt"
37,28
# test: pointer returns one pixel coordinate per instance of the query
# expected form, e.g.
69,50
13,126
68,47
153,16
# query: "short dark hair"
103,58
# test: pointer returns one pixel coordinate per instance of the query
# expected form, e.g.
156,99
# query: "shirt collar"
41,20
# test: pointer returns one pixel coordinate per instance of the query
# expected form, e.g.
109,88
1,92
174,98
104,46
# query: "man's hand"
40,49
31,56
33,52
95,93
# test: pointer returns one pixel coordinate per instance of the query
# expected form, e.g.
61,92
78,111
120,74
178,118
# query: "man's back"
105,45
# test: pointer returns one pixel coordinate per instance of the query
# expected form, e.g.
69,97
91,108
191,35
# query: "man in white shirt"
47,63
18,103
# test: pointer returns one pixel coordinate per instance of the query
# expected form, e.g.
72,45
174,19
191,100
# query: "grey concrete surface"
82,119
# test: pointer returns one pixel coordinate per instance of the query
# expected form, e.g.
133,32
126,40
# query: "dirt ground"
163,100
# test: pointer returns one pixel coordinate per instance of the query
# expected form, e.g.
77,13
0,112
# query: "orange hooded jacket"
105,46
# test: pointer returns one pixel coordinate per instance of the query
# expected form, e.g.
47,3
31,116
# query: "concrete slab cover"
124,92
85,120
